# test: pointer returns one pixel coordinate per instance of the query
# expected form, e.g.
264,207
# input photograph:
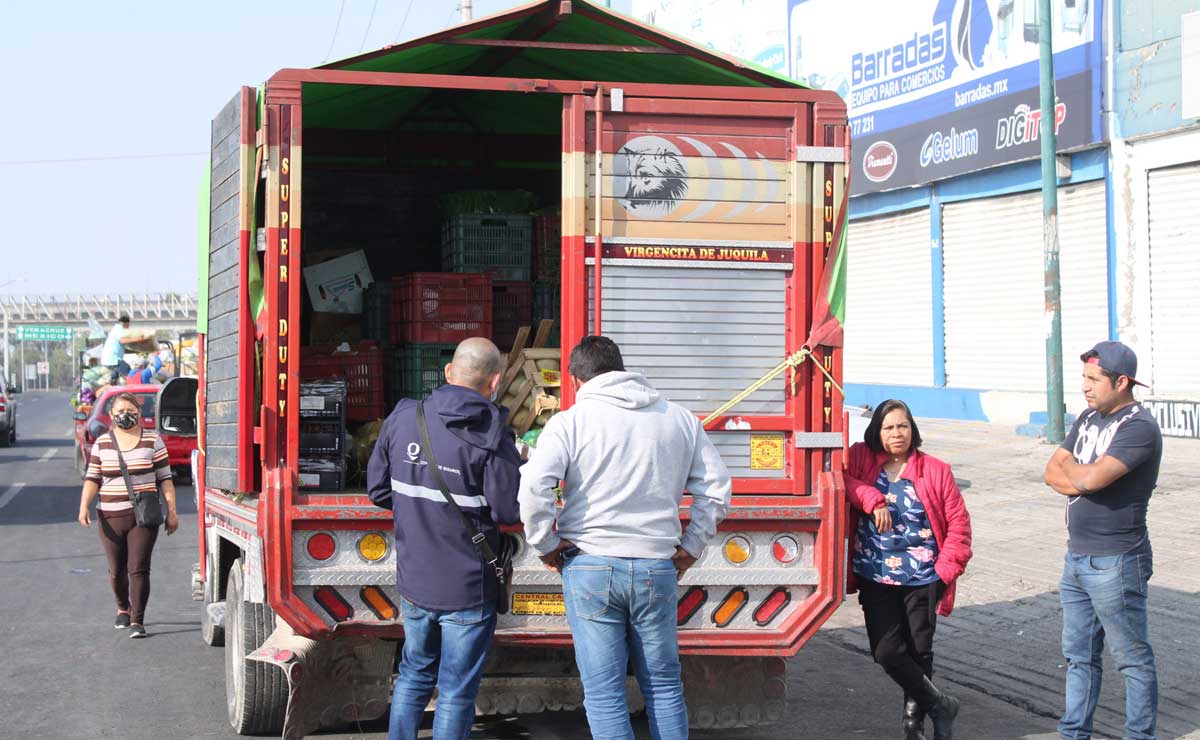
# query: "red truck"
169,408
702,203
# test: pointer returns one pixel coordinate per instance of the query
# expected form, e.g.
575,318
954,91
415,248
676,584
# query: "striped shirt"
147,464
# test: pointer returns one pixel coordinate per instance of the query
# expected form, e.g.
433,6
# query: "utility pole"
1055,408
465,11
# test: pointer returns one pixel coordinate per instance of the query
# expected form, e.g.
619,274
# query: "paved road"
67,674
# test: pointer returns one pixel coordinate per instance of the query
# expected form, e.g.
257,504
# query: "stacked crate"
377,311
547,304
417,369
547,246
362,370
323,435
512,308
440,308
494,243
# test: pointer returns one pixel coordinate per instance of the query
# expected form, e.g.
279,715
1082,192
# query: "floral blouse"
904,555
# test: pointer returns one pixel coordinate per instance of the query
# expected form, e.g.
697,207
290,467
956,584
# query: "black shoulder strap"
124,469
477,537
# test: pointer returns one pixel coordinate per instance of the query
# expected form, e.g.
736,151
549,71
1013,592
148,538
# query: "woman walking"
127,545
912,540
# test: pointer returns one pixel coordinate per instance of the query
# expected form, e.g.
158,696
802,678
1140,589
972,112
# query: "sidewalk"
1003,638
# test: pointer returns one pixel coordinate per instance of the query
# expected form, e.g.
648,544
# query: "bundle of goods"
487,201
323,407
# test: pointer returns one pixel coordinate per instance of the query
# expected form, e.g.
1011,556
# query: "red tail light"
691,603
771,606
332,602
321,546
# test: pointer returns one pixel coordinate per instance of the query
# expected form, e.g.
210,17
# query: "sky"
104,124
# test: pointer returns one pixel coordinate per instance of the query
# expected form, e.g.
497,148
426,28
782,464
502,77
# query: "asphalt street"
66,673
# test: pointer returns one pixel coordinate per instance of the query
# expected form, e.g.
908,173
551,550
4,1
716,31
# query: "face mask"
127,420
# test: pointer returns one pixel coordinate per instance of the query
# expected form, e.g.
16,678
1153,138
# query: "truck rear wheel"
255,693
81,463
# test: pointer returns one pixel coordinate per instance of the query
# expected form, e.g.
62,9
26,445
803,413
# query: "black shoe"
941,708
136,631
914,720
122,621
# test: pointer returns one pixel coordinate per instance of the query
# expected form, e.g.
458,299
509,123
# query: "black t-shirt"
1112,521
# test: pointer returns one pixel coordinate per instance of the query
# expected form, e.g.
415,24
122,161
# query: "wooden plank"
518,345
219,305
228,118
223,369
223,325
545,326
221,435
223,282
220,347
221,477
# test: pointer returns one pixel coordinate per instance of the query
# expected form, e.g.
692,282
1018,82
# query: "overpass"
148,310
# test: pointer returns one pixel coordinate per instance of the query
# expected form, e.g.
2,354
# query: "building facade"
945,302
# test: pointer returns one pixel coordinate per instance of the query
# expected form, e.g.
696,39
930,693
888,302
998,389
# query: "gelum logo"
879,163
942,148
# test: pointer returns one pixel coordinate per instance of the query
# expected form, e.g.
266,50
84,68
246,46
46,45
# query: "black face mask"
127,420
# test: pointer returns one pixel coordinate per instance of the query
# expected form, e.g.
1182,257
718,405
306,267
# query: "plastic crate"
512,308
417,369
321,437
361,368
323,400
547,246
547,304
441,307
494,243
377,311
322,474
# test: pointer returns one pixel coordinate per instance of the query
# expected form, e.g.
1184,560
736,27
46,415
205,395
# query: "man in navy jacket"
449,594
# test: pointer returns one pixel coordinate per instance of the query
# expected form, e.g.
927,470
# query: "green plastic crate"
416,369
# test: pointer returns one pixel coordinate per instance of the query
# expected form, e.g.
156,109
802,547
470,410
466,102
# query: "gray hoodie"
626,456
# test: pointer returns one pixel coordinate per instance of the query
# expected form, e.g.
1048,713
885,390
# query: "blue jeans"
622,608
1104,597
446,649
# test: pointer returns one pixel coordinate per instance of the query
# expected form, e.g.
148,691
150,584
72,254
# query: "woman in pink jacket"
910,541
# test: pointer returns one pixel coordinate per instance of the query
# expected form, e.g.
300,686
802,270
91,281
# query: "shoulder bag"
147,506
501,564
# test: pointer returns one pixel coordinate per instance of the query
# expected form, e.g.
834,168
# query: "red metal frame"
762,505
246,246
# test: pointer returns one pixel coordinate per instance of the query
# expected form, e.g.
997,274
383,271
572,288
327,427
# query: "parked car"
8,414
178,434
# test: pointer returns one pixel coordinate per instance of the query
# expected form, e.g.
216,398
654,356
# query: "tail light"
785,549
772,606
734,602
3,401
332,602
372,547
378,602
321,546
737,549
691,603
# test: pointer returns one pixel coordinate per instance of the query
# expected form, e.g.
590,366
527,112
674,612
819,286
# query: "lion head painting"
654,176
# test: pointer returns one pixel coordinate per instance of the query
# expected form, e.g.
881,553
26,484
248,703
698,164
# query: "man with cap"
113,355
1107,468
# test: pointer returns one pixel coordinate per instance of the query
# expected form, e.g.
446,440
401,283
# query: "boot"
942,709
914,719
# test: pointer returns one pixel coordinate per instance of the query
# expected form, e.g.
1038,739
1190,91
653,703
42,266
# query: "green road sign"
44,333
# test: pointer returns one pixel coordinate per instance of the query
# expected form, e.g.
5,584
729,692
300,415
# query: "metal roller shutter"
1174,274
993,276
889,319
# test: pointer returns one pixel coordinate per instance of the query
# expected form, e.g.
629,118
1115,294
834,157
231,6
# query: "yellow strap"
791,363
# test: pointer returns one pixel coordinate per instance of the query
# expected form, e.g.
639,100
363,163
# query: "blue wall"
1148,59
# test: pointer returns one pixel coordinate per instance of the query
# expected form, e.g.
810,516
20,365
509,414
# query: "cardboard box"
337,285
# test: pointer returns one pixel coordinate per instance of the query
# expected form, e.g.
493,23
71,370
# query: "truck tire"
256,693
212,633
81,463
7,437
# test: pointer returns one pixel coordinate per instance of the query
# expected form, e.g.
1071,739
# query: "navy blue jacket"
437,566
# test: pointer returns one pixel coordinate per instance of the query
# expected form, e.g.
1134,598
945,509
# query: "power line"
403,22
110,158
336,26
367,32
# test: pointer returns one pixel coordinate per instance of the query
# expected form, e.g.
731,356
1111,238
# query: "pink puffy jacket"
938,491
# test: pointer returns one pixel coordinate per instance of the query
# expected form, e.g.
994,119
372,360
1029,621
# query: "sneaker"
122,621
136,631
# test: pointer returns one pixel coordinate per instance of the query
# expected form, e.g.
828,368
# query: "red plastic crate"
547,246
441,307
361,368
512,308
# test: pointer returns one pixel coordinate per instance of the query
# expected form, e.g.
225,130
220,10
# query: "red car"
170,408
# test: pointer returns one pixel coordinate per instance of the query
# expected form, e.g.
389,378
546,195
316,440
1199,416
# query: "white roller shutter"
1174,195
993,278
889,318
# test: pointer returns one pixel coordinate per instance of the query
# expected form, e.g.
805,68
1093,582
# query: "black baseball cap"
1114,357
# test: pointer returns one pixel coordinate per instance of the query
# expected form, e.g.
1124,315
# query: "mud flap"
331,682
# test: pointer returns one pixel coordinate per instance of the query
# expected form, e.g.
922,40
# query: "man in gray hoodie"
625,456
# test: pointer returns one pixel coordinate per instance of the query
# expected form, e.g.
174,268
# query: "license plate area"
538,605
